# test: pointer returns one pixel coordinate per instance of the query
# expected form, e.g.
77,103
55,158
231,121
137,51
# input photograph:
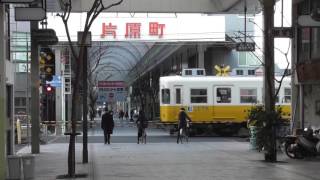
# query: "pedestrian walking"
107,124
99,112
120,116
126,115
131,115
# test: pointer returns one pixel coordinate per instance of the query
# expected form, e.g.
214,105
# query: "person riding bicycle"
183,122
142,123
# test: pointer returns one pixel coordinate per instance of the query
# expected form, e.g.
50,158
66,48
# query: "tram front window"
165,93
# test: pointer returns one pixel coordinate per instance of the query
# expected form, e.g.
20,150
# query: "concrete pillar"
3,116
200,49
295,106
35,82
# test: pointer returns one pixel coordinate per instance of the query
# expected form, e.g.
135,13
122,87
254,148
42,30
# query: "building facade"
306,60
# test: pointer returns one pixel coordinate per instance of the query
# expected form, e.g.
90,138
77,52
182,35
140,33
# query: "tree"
78,55
93,79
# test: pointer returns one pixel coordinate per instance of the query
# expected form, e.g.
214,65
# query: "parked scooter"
301,146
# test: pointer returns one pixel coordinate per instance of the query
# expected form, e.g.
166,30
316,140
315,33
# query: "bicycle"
183,134
143,136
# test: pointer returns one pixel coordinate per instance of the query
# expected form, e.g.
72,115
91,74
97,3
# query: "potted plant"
262,129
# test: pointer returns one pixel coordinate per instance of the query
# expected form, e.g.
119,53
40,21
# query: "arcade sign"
111,84
124,27
133,30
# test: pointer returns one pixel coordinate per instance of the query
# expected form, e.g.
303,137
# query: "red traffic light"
49,89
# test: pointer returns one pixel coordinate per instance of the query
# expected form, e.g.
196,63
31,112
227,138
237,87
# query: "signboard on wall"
111,91
309,72
245,46
282,32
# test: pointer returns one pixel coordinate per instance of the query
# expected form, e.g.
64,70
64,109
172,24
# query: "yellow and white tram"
216,99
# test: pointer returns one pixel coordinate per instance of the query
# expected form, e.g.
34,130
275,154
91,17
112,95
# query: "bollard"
14,167
18,124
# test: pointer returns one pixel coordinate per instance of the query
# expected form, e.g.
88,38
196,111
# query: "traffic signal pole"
35,82
85,106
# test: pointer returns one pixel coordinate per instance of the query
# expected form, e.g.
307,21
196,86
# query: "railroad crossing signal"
222,70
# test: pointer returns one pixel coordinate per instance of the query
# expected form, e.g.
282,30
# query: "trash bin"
28,166
14,167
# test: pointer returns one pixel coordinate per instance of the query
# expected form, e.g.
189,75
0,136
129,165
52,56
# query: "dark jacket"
183,119
107,123
142,121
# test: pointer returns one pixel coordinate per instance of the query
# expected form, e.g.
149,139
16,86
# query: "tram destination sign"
245,46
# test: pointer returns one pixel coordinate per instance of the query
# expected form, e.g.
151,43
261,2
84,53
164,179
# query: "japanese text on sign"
133,30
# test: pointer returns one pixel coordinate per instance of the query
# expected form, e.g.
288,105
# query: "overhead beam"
170,6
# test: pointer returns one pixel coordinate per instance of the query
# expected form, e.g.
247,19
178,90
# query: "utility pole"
269,90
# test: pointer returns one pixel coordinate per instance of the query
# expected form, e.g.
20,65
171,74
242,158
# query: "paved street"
204,158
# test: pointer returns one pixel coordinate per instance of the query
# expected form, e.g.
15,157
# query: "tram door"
178,93
222,103
177,100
